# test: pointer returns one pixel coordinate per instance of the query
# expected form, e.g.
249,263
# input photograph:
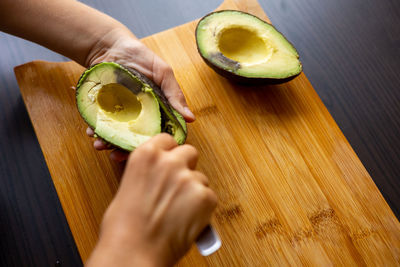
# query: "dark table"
350,50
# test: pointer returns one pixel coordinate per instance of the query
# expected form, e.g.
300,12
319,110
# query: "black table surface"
350,50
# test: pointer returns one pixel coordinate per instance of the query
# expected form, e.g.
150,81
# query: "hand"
117,154
100,38
122,47
162,205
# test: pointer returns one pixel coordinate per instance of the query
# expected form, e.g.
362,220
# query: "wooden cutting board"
291,189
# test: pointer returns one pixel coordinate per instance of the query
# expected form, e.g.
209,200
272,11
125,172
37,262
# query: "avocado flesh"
121,107
172,121
235,43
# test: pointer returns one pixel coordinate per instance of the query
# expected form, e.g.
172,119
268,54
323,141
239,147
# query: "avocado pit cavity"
118,102
244,46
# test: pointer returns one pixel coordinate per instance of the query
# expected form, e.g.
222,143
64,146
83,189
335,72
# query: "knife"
208,241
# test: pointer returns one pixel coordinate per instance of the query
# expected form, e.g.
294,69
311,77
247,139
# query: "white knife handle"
208,241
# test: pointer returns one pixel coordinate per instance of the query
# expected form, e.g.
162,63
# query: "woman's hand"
100,38
163,203
124,48
161,207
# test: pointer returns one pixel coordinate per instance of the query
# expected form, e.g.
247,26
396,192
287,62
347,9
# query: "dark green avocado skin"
233,76
246,80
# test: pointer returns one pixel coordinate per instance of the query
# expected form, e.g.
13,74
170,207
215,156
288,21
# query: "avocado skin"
171,112
162,99
233,76
246,80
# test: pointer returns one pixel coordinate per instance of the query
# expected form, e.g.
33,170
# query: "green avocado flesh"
237,44
124,107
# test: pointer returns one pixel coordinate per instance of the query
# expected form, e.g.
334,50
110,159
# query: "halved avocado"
124,107
246,49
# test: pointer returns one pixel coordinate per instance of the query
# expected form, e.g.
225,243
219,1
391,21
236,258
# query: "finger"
164,76
89,132
201,178
119,155
161,141
176,97
188,154
207,202
99,144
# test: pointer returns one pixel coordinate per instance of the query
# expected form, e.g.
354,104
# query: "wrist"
101,47
105,255
122,244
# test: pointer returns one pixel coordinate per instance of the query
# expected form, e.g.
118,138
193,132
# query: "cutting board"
291,189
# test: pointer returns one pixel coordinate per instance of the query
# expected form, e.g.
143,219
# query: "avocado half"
246,49
124,107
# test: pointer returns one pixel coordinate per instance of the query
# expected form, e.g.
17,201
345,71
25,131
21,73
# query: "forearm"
124,249
109,257
65,26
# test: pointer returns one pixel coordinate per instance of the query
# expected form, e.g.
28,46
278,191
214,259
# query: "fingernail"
97,144
89,132
188,112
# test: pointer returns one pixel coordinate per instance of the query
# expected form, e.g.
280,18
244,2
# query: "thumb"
176,97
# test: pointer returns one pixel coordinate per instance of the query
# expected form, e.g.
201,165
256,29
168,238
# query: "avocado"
124,107
246,49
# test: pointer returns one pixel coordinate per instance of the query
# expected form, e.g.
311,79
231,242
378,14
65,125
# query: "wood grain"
352,58
291,189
